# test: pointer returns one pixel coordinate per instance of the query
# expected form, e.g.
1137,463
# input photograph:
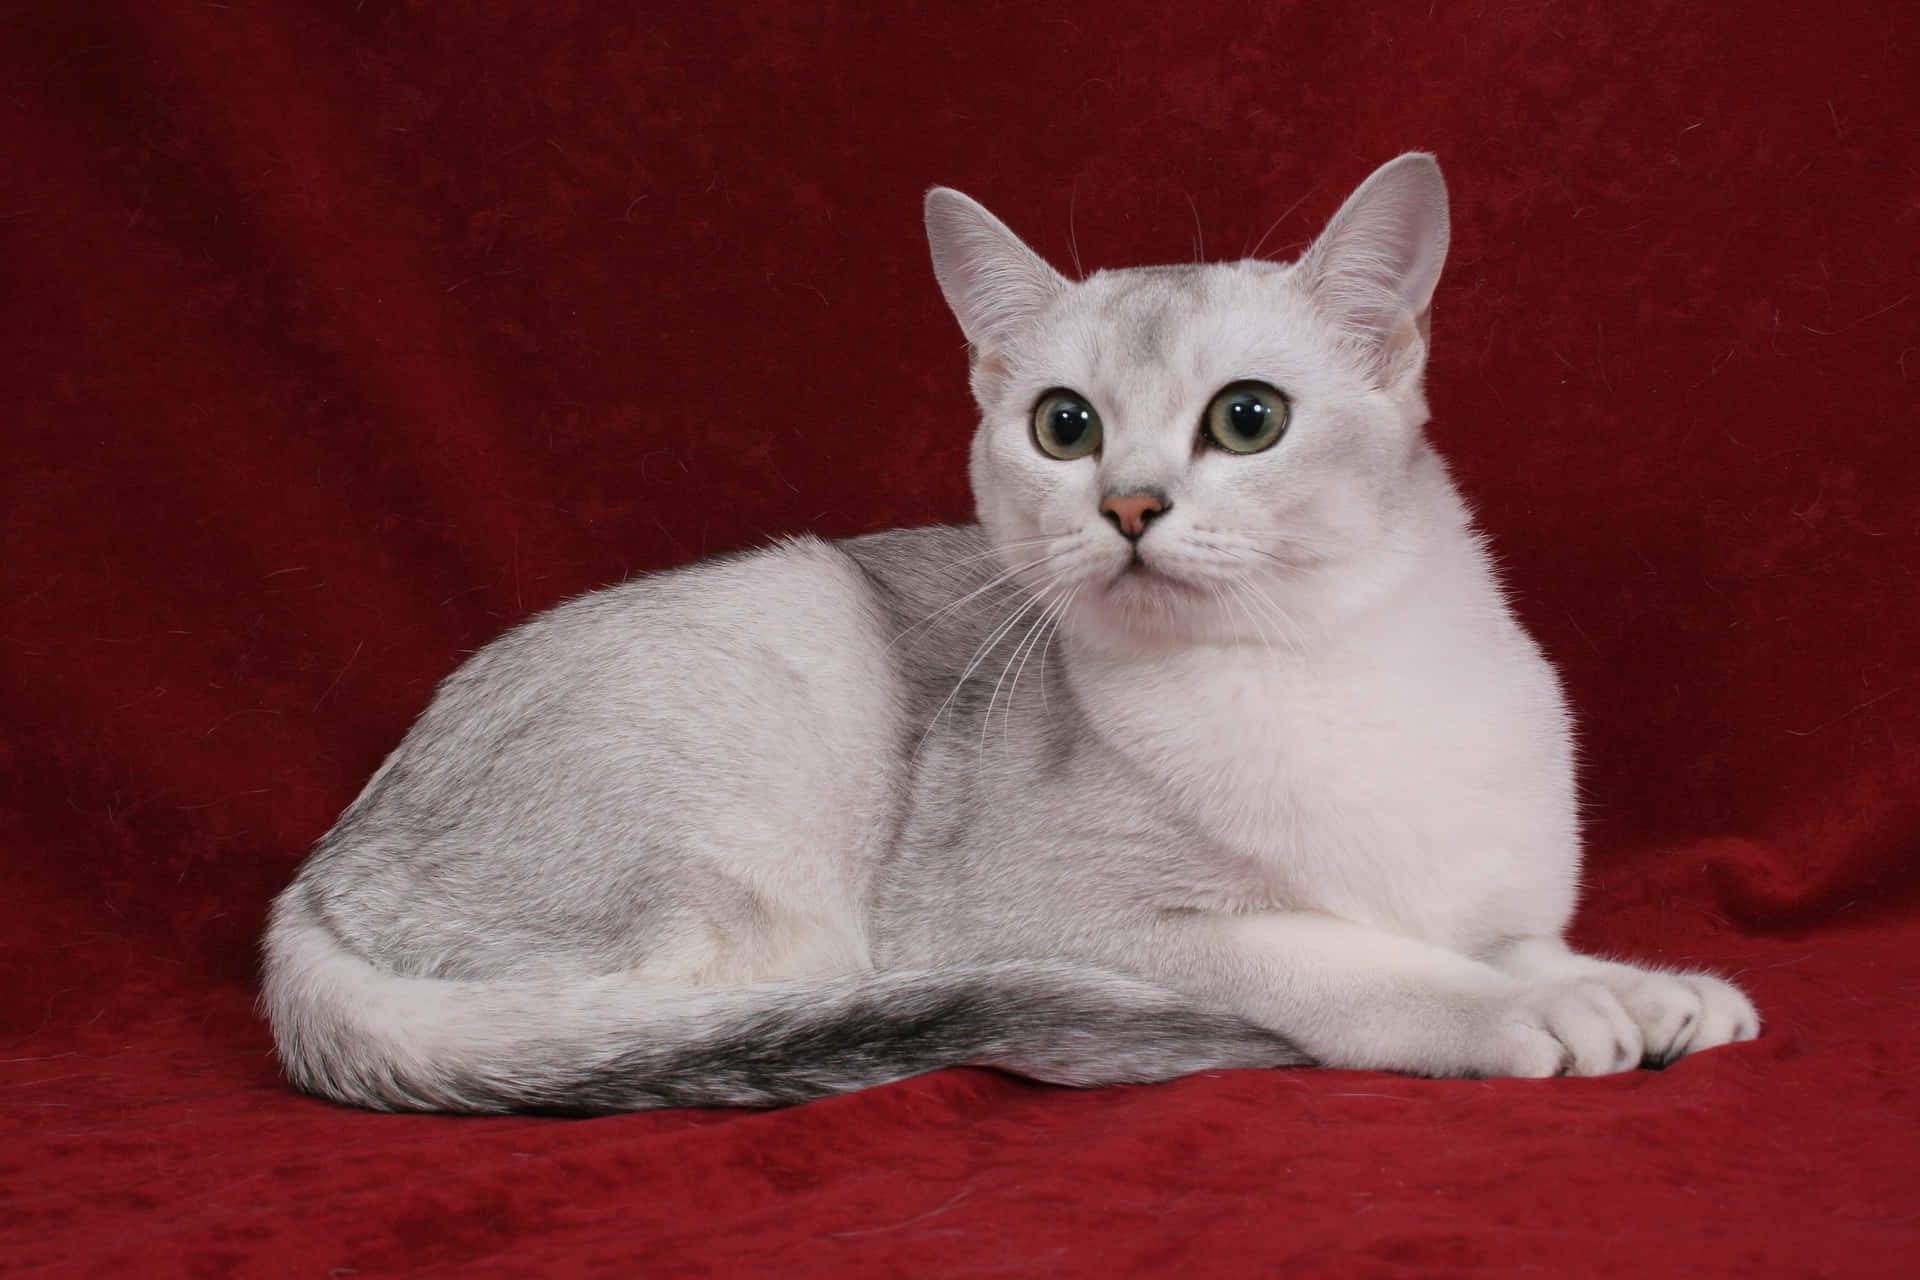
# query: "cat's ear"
993,282
1373,270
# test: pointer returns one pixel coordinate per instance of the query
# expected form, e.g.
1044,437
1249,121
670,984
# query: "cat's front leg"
1354,996
1678,1013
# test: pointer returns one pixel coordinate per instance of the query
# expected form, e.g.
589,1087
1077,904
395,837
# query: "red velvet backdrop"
338,336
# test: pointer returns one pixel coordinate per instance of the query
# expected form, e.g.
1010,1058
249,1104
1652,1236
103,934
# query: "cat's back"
715,740
652,651
797,596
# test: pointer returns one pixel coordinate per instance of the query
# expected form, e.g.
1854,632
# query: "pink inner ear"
1374,269
992,281
1408,336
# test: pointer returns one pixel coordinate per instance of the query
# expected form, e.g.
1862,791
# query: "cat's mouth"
1137,573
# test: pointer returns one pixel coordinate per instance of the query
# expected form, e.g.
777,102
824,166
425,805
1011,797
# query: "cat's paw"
1676,1013
1575,1028
1681,1013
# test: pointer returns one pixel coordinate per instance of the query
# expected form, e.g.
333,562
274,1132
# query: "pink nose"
1132,511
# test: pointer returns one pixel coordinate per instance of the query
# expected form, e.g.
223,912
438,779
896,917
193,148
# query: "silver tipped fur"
1274,778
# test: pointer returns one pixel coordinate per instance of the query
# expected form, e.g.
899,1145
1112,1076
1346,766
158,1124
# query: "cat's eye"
1246,418
1065,426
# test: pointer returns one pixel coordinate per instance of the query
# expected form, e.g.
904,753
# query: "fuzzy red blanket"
340,336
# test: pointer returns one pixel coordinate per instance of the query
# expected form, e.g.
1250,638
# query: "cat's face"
1235,450
1201,453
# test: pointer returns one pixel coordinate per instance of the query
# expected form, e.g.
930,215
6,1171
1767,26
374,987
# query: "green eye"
1246,418
1065,426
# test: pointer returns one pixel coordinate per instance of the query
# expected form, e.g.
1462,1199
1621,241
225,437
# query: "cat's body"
1194,754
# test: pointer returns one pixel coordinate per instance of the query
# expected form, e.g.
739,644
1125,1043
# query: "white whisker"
1042,628
1040,596
986,719
1015,544
1235,592
1275,224
1296,635
1059,619
998,579
980,653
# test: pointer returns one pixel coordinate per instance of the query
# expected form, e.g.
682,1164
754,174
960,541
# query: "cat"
1214,744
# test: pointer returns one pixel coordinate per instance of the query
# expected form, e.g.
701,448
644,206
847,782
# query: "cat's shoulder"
914,572
912,549
913,562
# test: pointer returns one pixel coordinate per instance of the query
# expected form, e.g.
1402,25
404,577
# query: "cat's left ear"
1373,270
993,282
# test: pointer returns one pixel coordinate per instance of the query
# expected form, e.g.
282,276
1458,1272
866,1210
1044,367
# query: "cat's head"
1190,452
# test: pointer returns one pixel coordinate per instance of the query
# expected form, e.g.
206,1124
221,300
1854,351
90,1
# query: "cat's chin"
1142,602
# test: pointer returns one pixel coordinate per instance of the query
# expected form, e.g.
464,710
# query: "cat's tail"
350,1032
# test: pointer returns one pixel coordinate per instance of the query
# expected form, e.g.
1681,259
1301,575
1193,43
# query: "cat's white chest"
1405,796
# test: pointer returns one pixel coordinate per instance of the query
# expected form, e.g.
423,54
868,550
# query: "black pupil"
1070,423
1247,417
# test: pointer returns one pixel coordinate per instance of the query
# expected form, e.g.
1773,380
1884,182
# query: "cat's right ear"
993,282
1373,270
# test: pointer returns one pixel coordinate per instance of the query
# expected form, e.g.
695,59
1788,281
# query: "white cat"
1214,744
